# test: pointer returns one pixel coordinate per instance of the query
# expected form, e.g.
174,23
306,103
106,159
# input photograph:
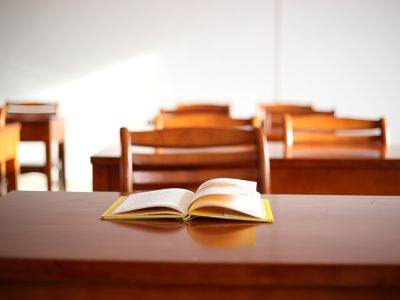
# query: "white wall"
344,55
114,63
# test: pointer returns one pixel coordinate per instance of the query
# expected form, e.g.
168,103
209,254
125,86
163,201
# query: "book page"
227,190
226,206
228,186
230,194
177,199
228,182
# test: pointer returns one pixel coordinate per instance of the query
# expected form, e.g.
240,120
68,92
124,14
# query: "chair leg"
48,165
61,167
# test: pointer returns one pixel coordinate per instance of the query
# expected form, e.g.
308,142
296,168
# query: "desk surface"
316,241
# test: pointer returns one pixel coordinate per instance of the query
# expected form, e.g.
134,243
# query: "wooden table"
309,171
48,129
54,245
9,139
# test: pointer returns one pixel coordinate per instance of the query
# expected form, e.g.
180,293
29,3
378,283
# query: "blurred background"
116,63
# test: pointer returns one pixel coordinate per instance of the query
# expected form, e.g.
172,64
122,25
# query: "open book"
223,198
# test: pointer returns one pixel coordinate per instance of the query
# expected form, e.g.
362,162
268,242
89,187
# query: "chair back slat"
322,122
204,107
194,159
202,120
192,137
335,139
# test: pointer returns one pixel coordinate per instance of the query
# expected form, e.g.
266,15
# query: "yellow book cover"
223,198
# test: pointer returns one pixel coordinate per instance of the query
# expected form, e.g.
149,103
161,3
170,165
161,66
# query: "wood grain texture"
319,246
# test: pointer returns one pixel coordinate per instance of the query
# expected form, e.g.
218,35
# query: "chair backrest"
186,157
286,107
203,107
183,108
202,120
272,116
326,130
31,110
3,113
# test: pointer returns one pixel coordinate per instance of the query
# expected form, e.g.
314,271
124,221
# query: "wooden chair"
272,116
331,131
193,108
2,123
40,122
190,156
3,113
202,120
199,108
9,163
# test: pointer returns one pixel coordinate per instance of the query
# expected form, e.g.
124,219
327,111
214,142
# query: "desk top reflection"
54,244
356,230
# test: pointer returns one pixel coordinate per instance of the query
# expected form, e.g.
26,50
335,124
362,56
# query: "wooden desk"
55,245
46,129
312,171
9,139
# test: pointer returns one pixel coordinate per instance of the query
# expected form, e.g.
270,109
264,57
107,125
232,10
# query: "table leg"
61,167
48,164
